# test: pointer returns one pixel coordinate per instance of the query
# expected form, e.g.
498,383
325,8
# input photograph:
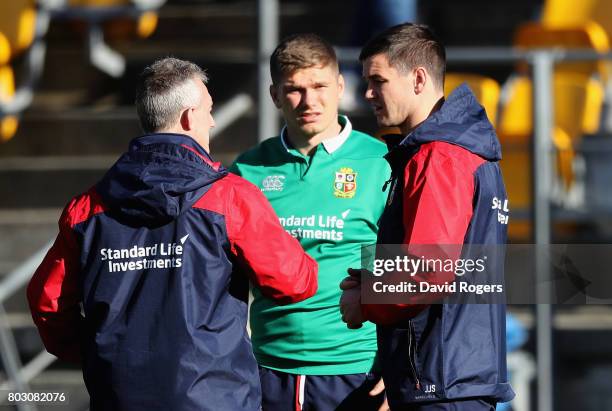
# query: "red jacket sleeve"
274,260
437,208
54,295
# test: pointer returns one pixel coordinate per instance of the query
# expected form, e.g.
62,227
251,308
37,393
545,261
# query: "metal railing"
18,375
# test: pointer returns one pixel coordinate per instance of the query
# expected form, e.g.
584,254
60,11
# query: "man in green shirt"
324,181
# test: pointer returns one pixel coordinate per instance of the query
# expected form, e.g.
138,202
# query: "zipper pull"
384,187
418,385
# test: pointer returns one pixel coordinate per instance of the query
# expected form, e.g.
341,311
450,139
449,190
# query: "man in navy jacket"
146,284
444,191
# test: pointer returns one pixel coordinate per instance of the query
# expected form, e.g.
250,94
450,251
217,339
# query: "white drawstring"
301,391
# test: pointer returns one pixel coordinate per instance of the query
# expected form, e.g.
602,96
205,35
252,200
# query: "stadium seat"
143,25
578,98
114,20
578,103
8,123
485,89
18,24
18,31
571,13
588,35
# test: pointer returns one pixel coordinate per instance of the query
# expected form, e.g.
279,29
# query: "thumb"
356,272
378,388
348,283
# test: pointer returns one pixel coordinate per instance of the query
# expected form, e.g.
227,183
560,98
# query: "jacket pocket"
398,354
412,355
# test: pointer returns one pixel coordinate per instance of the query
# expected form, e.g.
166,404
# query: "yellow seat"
571,13
143,27
119,28
577,107
588,35
98,3
8,124
17,33
578,98
577,92
485,89
18,24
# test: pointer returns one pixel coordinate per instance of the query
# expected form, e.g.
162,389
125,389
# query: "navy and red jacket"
445,177
147,281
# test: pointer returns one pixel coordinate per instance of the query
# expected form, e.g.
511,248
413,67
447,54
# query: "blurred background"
541,69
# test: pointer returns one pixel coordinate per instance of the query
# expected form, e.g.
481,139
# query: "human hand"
353,279
350,301
378,388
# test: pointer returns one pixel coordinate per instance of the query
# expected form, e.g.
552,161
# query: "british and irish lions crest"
345,183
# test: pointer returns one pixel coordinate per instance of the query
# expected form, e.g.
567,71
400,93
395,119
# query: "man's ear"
341,85
274,95
421,77
186,119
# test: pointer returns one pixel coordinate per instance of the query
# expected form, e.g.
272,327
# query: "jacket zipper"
412,355
384,187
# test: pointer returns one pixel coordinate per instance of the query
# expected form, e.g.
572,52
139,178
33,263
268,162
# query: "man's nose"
308,98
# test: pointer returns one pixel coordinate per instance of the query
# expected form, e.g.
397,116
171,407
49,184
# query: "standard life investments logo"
135,258
313,226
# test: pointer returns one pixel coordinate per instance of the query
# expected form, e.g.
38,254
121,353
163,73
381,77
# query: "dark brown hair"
301,51
408,46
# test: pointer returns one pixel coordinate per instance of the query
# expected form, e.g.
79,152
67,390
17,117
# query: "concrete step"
56,181
56,155
45,188
23,232
97,131
67,381
207,33
77,131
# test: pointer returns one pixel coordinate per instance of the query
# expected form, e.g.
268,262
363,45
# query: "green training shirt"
330,201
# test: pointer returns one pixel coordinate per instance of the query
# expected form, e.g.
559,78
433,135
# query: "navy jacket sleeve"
274,261
54,292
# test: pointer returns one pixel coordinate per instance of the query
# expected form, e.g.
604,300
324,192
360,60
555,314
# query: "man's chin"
385,122
311,130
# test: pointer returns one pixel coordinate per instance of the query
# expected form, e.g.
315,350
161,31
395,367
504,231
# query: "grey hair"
164,90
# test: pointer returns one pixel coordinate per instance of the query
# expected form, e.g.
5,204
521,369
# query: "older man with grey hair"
147,281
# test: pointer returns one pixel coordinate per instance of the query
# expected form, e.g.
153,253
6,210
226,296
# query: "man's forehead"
378,65
312,72
376,62
207,97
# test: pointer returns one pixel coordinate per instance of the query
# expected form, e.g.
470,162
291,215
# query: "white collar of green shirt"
330,144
